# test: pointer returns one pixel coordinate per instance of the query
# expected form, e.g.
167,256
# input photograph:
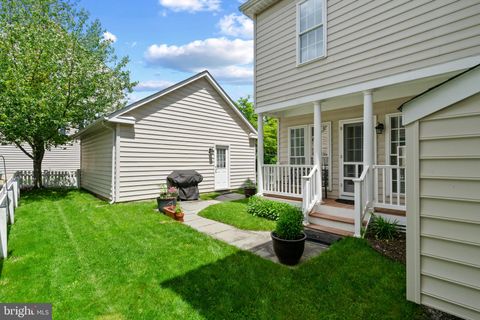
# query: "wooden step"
393,212
336,231
290,198
330,217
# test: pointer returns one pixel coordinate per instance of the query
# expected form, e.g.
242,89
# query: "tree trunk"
38,154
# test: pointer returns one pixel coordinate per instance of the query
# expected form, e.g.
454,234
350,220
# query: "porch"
354,155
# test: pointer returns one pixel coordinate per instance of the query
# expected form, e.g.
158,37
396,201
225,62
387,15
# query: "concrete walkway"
257,242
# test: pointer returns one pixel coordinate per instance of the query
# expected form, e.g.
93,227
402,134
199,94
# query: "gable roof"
118,116
455,89
253,7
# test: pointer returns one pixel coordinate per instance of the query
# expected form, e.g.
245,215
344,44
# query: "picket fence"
9,195
50,179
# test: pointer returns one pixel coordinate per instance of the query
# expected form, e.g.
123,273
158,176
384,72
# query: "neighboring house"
443,193
334,73
62,158
191,125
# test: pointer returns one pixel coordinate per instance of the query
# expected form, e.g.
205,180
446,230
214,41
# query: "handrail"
362,202
309,197
289,165
312,172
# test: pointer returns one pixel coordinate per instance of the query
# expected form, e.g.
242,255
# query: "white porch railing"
362,202
388,193
9,195
310,192
283,179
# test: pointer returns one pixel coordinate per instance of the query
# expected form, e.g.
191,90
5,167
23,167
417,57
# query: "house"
335,73
62,158
443,193
191,125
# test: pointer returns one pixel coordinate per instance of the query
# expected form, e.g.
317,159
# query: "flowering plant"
168,192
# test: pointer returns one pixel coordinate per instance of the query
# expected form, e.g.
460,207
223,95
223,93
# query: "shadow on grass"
51,194
349,282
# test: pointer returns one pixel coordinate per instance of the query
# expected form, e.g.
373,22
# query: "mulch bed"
396,249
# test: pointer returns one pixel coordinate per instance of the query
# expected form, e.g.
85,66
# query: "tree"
270,127
57,74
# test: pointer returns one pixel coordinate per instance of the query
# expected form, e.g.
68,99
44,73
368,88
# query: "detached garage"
443,196
191,125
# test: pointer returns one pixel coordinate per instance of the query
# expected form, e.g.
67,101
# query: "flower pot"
288,252
249,192
165,202
170,211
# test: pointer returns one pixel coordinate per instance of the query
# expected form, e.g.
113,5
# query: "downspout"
114,143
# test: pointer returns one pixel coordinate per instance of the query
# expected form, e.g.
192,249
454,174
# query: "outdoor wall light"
379,128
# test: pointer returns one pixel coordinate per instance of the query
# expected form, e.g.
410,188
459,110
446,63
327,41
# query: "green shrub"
383,229
264,208
290,224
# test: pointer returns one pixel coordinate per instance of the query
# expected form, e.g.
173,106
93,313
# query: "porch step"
330,217
392,212
332,230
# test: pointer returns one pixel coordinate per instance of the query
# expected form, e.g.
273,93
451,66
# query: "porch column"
260,155
368,138
317,145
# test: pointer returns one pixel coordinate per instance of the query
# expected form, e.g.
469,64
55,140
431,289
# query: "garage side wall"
175,132
444,209
96,163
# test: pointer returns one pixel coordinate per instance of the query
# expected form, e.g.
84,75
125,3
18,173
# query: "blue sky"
170,40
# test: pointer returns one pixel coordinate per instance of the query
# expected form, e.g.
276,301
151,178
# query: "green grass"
235,213
125,261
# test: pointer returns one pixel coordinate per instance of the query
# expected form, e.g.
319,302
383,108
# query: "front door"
221,168
351,156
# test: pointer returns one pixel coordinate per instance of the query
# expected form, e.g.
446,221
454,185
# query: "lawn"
235,213
125,261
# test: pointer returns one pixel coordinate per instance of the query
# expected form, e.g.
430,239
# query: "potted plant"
250,189
175,212
288,237
168,197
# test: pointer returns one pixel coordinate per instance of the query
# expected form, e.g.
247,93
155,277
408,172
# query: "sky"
168,41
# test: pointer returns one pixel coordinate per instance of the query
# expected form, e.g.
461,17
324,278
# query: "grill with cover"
186,181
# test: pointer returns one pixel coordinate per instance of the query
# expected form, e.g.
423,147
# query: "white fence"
9,195
50,179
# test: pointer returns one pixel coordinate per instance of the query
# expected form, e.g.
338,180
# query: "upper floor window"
311,30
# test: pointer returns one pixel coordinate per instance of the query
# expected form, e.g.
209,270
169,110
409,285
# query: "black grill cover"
186,181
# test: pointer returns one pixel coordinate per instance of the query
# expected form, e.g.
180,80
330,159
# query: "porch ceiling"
405,89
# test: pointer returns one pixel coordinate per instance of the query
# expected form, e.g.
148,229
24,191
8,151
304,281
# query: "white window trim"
388,142
324,24
305,136
308,148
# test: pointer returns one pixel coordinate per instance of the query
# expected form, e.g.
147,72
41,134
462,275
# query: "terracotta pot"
288,252
170,211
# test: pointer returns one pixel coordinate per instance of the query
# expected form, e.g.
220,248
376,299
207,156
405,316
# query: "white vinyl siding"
96,163
62,158
381,109
366,41
175,132
311,34
444,226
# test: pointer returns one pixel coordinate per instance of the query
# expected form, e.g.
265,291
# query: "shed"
443,196
193,124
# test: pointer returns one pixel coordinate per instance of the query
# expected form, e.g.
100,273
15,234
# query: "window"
221,158
397,143
311,30
297,145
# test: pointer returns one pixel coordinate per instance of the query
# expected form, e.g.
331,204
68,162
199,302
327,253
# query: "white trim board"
431,71
444,95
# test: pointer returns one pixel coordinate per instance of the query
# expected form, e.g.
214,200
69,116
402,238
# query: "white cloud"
191,5
108,36
229,60
152,85
236,25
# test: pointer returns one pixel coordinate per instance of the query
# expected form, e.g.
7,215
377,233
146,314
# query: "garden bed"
394,249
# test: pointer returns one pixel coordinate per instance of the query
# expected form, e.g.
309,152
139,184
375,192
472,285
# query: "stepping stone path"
257,242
